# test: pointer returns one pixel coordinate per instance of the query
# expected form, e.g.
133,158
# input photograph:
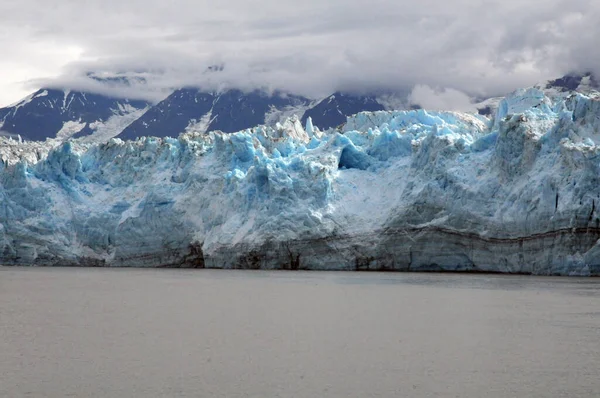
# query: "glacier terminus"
410,190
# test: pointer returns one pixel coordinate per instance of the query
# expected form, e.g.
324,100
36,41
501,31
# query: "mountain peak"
52,113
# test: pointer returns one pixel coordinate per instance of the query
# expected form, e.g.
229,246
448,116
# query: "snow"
26,101
393,190
69,129
66,95
200,126
276,115
114,125
44,93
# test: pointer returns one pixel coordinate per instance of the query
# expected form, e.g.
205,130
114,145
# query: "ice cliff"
401,190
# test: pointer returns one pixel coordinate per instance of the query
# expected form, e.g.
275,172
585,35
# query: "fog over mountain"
313,48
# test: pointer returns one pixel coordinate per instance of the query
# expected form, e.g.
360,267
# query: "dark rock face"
43,114
333,110
234,110
486,111
566,83
229,112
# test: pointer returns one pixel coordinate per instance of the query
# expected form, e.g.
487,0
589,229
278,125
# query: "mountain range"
51,113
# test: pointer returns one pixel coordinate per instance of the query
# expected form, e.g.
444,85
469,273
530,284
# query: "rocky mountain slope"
64,114
192,109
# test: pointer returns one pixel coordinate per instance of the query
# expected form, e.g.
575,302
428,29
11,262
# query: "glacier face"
391,190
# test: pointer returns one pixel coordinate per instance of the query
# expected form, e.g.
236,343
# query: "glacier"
389,190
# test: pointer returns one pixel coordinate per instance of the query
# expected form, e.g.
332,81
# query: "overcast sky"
311,47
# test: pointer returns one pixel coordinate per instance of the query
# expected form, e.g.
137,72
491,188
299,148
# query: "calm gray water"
174,333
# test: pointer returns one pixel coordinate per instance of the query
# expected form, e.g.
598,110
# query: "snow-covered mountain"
390,190
52,113
191,109
233,110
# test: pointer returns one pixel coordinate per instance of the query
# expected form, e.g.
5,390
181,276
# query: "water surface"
174,333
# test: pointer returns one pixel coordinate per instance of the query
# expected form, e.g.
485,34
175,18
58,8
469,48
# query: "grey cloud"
445,99
312,47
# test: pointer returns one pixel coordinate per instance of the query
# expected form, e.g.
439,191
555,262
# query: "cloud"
313,47
441,99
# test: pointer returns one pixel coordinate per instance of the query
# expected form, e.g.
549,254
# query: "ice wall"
402,190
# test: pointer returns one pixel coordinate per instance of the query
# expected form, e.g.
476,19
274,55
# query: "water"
174,333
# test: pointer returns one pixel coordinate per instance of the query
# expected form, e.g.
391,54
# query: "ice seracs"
390,190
